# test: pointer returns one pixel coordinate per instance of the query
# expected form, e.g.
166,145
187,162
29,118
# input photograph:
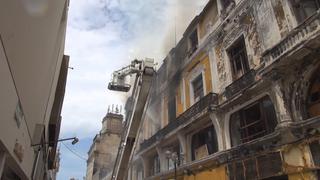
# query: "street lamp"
75,141
176,158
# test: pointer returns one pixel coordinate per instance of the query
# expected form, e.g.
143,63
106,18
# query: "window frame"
214,140
266,123
234,57
198,90
193,44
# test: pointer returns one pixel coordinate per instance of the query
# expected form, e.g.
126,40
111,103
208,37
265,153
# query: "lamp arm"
59,140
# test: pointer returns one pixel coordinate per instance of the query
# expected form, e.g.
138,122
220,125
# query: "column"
216,124
163,159
281,108
183,145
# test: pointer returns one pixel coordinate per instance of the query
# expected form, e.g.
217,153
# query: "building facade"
33,76
104,149
238,97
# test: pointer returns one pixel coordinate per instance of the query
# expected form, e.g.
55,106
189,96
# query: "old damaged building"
238,97
103,151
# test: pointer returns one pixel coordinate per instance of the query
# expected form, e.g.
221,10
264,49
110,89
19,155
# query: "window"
314,96
238,57
155,165
197,85
204,143
266,167
305,8
254,121
193,42
226,3
172,109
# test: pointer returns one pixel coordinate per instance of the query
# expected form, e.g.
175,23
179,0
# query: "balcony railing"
204,103
240,84
299,35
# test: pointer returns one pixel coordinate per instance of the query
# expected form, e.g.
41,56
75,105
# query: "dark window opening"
172,109
315,97
315,152
265,167
193,42
197,85
313,103
305,8
226,3
252,122
155,163
238,58
204,143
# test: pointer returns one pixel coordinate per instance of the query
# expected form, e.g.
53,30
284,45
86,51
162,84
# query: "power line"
74,152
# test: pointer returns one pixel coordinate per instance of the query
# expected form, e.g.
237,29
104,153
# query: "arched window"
252,122
204,143
314,95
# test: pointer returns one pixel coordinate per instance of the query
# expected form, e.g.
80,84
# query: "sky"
103,36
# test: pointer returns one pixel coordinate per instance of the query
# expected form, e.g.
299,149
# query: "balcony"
184,118
298,37
240,84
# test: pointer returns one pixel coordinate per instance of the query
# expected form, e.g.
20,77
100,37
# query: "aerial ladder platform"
144,72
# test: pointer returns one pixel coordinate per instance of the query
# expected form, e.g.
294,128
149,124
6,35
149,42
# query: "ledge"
184,118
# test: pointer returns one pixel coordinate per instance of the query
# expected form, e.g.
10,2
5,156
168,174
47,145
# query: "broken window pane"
253,121
197,86
238,58
204,143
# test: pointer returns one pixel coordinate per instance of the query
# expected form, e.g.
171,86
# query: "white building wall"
31,50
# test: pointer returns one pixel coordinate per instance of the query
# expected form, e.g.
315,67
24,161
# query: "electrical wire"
74,152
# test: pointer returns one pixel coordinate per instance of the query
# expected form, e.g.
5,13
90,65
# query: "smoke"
180,14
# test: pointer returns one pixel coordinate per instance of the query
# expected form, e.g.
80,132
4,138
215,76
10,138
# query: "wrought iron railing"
297,36
204,103
240,84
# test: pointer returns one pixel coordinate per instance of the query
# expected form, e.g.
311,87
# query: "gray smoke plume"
180,14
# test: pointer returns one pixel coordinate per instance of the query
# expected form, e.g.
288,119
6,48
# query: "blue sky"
102,36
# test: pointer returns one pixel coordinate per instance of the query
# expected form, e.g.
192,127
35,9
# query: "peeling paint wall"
218,173
209,18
